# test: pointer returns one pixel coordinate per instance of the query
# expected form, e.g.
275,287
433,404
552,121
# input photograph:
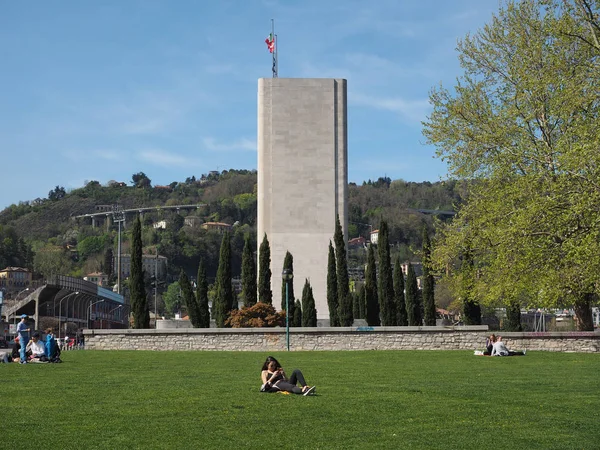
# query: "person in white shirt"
500,349
36,347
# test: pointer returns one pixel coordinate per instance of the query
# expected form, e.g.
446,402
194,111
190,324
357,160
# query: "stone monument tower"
302,177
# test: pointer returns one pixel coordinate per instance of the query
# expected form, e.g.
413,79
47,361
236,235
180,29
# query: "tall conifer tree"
249,288
202,297
332,293
189,299
288,263
224,297
297,322
400,302
265,294
413,305
309,312
361,302
343,281
137,288
428,282
386,283
371,298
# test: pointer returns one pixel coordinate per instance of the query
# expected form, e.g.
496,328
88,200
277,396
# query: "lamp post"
287,276
114,309
60,308
90,310
119,217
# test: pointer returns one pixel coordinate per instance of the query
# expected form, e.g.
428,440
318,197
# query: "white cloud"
161,157
239,144
411,110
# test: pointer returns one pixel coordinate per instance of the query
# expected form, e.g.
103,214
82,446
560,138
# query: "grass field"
370,399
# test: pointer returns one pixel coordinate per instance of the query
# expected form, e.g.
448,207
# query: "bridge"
86,304
108,214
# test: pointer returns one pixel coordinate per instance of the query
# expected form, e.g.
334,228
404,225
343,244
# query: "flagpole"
274,37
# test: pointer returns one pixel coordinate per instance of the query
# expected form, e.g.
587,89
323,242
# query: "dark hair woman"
274,379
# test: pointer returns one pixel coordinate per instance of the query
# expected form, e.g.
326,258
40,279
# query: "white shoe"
310,391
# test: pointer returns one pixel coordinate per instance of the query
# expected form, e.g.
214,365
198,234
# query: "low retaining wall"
342,338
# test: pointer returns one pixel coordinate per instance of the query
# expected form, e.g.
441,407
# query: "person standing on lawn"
23,331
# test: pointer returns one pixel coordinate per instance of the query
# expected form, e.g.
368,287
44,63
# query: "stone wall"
361,338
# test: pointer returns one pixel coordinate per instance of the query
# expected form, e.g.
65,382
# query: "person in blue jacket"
23,331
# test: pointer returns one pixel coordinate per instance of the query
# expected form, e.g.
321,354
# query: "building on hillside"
99,278
219,227
151,264
357,242
374,237
162,224
192,221
14,278
302,176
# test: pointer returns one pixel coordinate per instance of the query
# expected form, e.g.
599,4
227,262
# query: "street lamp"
60,308
287,276
114,309
90,310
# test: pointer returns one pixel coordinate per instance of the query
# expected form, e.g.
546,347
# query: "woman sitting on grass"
275,380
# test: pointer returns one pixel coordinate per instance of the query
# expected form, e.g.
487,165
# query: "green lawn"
369,399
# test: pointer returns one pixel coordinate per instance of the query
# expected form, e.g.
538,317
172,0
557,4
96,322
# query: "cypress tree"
297,320
137,288
189,299
332,298
224,297
361,302
288,263
428,282
513,317
107,264
471,308
202,297
343,281
371,298
401,316
413,306
355,305
386,283
309,313
249,289
265,295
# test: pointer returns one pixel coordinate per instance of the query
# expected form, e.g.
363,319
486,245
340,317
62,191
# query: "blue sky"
102,90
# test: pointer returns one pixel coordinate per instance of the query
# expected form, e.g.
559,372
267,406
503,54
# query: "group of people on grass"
494,346
27,350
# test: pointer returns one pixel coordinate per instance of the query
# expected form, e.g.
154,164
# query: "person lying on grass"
500,349
275,380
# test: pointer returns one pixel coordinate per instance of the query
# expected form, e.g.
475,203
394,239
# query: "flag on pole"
270,43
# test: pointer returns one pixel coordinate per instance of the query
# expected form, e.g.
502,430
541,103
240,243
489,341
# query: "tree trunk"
583,312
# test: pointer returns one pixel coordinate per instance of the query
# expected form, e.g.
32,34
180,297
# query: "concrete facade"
302,177
334,339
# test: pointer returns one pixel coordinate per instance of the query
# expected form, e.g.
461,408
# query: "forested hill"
230,197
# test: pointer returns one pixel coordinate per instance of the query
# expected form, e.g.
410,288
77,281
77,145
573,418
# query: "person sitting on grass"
37,348
52,350
275,380
489,344
500,349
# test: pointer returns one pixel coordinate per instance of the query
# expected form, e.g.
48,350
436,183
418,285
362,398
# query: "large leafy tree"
248,274
137,287
332,295
224,300
343,281
386,283
522,124
202,297
400,302
371,297
428,282
265,294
